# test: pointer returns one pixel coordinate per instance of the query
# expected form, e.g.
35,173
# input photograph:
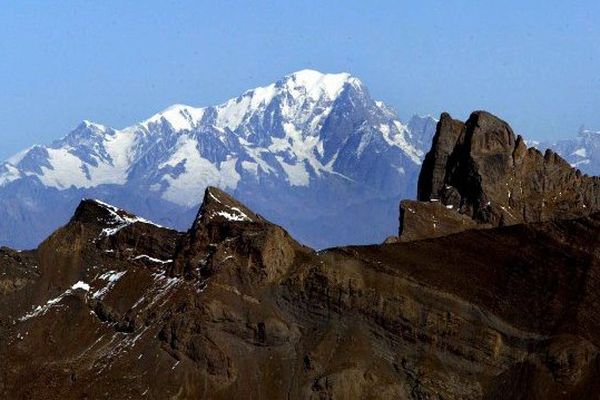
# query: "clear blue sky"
534,63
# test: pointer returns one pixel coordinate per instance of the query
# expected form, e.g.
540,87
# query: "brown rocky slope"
112,306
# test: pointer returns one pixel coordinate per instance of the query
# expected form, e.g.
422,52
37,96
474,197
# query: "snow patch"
179,116
81,285
232,216
152,259
120,219
296,173
111,277
581,152
186,188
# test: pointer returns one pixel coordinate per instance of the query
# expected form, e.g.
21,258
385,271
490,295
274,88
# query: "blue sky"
534,63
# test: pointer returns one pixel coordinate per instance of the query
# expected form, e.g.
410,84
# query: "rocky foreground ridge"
113,306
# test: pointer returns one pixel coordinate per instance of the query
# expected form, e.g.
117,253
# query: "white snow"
54,302
400,140
152,259
199,173
81,285
94,125
186,188
228,176
120,219
250,167
111,277
17,158
303,148
296,173
302,100
11,174
232,216
213,197
121,147
179,116
313,83
66,170
231,114
581,152
236,215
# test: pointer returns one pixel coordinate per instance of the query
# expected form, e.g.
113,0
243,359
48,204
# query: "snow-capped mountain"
313,152
582,151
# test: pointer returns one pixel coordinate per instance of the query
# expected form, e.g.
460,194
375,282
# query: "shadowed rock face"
480,170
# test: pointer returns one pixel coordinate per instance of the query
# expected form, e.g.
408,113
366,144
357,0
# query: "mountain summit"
312,151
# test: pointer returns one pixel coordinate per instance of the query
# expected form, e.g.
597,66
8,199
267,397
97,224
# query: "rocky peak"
481,170
219,207
224,227
110,219
96,211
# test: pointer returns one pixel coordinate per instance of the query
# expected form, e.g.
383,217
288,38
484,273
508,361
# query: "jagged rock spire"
480,170
218,206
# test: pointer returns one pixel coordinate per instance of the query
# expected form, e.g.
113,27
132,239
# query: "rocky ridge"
479,174
114,306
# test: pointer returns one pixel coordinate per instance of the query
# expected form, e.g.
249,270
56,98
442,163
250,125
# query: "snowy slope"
307,142
582,151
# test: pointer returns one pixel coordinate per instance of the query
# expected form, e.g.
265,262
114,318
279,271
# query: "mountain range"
312,152
489,293
582,151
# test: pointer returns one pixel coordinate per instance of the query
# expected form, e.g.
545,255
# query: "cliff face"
113,306
480,170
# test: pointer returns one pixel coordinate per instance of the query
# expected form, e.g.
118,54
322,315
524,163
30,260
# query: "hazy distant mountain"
582,151
312,152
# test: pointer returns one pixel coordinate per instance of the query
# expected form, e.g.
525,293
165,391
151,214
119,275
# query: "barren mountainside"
114,306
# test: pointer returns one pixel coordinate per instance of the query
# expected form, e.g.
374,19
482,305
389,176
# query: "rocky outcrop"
224,227
479,170
420,220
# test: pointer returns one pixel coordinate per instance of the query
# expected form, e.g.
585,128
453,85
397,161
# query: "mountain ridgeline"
491,292
312,152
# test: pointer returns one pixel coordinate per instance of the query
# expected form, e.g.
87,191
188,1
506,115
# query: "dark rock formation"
224,227
481,171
